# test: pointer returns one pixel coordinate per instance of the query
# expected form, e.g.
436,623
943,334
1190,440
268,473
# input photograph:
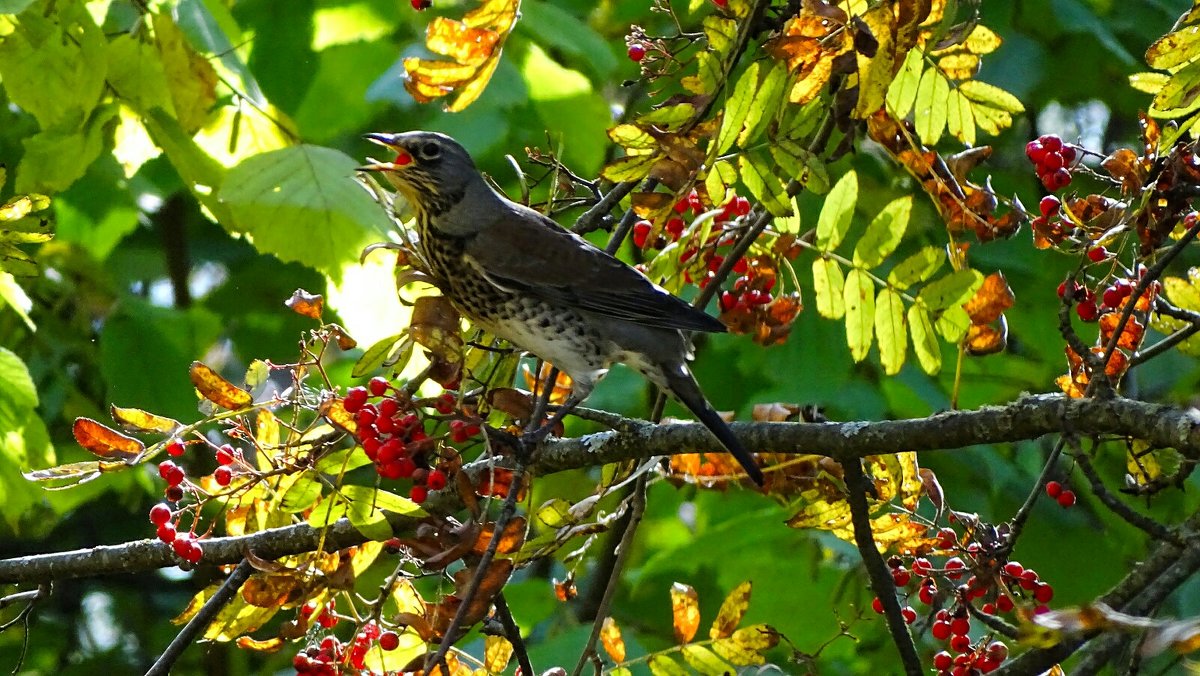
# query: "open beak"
387,141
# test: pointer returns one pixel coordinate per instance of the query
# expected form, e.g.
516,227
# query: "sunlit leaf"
137,420
884,233
473,45
685,612
105,441
733,609
610,638
925,342
496,653
930,107
737,107
902,93
891,330
829,287
216,389
838,208
859,294
705,661
917,268
661,665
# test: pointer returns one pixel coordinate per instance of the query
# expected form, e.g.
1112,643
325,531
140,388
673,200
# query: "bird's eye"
430,151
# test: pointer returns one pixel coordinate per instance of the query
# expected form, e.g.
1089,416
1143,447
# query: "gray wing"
524,251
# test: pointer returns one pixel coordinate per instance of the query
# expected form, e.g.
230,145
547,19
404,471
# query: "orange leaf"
268,591
1131,335
985,340
510,540
685,612
473,45
610,638
732,611
335,412
306,304
105,441
270,645
218,390
137,420
565,590
991,300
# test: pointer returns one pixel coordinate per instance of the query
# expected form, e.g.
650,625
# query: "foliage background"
139,282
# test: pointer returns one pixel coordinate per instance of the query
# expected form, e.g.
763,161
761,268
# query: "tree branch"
1025,419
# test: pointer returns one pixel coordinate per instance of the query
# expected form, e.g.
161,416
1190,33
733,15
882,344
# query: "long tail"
685,388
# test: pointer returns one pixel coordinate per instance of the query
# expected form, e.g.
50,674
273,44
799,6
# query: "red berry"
1051,142
997,650
223,475
1053,489
444,403
641,231
171,472
355,398
180,543
1035,151
943,660
901,577
908,614
389,640
160,514
1087,311
1067,499
927,591
173,493
421,5
636,51
175,449
1056,180
225,455
940,630
1098,254
1049,205
947,538
1004,604
741,206
389,407
721,3
960,643
675,227
988,609
418,494
1014,569
682,206
921,566
436,480
1068,154
378,386
1043,593
1051,162
954,568
1029,579
166,533
194,552
727,301
960,626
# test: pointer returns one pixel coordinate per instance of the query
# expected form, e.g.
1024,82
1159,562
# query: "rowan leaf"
902,93
950,290
630,168
834,219
733,609
216,389
610,638
705,661
104,441
497,651
685,612
1174,49
737,107
661,665
929,115
891,330
473,46
767,101
991,300
829,286
917,268
960,121
368,509
1181,94
859,293
925,342
137,420
759,178
884,233
876,71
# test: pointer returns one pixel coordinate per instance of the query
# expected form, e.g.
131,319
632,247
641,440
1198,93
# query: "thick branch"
1025,419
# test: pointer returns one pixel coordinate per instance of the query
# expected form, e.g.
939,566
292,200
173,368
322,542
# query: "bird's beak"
387,141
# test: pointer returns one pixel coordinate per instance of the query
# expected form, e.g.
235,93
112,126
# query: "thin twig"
513,632
1152,528
1018,521
592,218
485,561
881,580
199,622
637,509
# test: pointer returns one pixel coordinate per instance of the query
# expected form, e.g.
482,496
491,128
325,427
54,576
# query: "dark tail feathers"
687,391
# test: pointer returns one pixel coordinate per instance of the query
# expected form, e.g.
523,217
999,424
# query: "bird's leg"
534,437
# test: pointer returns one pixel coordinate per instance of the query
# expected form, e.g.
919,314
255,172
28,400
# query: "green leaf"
737,107
707,77
917,267
191,79
369,507
661,665
1149,83
302,494
12,295
953,289
835,216
766,105
556,27
200,172
829,285
801,165
930,115
1181,94
1174,49
310,190
342,461
960,122
375,355
891,331
54,159
953,323
884,233
925,342
668,117
632,138
761,181
721,33
860,313
14,6
330,509
991,96
629,168
718,180
705,661
18,394
53,63
136,73
790,224
903,90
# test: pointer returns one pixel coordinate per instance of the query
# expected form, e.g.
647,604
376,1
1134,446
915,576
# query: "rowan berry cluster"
393,436
165,519
977,578
1052,160
1089,307
330,656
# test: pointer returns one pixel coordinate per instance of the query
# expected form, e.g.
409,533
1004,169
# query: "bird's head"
431,170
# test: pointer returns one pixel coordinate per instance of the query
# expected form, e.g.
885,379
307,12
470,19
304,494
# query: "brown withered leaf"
106,442
268,591
565,590
473,45
984,339
610,638
1126,167
809,44
992,299
435,327
137,420
733,609
496,482
1131,336
305,304
512,401
216,389
685,612
510,540
493,581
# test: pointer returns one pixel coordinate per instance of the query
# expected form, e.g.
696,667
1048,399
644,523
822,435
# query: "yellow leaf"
610,638
496,653
216,389
473,46
733,609
685,612
859,295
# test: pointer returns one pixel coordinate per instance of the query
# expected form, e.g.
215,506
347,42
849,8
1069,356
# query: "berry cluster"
1052,160
327,657
1111,298
393,435
991,585
162,517
736,206
748,292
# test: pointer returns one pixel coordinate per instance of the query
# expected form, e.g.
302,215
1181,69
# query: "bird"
519,275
